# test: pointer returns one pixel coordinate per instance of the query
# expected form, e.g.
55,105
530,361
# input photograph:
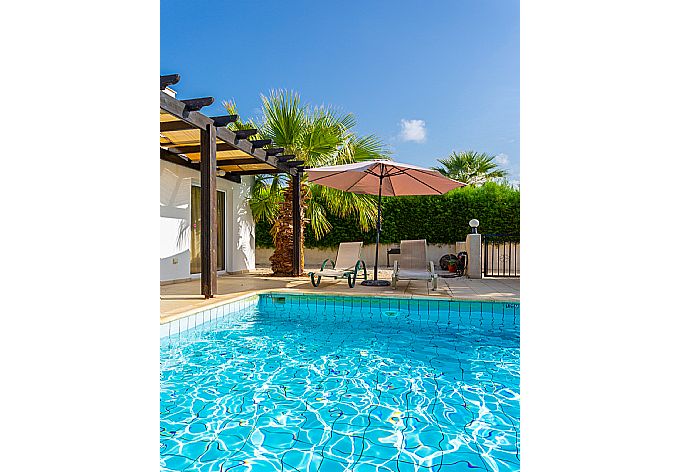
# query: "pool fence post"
473,246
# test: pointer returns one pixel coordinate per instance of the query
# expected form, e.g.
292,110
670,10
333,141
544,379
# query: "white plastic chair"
413,264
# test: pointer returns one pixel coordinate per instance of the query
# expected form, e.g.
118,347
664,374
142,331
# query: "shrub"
438,219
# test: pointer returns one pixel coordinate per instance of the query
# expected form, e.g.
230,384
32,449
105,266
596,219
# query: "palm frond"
368,148
319,136
471,167
284,119
324,134
344,204
266,198
317,217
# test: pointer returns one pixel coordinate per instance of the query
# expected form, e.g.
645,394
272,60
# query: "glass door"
195,230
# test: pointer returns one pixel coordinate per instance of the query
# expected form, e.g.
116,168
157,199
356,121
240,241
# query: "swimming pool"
297,382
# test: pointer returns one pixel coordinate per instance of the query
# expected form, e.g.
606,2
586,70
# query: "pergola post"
296,225
209,234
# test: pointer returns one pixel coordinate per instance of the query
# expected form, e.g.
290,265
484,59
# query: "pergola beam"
224,120
274,151
182,126
177,159
168,80
286,157
256,172
178,109
259,143
232,178
196,104
244,133
189,164
230,137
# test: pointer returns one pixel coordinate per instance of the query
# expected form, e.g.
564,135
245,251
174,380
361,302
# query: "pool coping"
256,293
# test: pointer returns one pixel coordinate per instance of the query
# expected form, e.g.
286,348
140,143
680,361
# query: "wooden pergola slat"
237,162
182,125
196,148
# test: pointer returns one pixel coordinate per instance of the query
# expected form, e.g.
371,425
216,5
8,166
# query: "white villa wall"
175,215
243,248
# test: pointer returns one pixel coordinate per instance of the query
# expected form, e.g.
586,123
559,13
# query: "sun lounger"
347,265
413,264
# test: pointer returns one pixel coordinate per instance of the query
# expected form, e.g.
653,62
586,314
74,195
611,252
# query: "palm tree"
318,136
471,168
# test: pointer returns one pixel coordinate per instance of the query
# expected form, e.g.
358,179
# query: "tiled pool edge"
196,318
189,320
183,314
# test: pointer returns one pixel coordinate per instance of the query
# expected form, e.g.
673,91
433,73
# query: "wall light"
474,223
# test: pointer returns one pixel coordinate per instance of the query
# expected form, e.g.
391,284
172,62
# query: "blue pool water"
325,384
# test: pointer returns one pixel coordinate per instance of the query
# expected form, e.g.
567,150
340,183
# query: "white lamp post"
473,245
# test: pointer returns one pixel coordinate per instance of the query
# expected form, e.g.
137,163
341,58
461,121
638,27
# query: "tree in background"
319,136
471,168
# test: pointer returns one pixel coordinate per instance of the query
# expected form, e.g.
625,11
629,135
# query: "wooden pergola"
191,139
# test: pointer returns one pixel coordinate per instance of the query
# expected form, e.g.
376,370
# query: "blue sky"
426,77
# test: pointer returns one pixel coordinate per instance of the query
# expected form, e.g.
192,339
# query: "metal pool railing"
501,255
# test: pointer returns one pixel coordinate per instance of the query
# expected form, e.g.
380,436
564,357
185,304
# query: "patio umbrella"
382,177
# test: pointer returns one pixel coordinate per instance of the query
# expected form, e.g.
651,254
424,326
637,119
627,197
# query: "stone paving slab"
180,298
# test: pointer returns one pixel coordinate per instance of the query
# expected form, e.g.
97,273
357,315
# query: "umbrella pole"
376,281
378,233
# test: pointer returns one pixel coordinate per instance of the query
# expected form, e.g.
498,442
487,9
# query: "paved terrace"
180,298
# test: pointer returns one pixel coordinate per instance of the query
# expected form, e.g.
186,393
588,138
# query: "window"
195,230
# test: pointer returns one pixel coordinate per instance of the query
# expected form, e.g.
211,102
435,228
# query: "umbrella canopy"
392,178
382,177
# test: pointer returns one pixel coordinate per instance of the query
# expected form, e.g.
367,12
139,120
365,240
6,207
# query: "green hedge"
438,219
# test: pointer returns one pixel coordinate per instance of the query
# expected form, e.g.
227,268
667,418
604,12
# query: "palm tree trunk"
281,260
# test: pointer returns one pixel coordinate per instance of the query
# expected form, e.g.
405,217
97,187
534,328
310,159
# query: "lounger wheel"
316,282
351,280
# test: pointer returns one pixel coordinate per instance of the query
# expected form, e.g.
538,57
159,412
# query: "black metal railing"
501,255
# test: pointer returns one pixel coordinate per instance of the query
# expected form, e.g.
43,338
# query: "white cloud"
501,159
413,130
